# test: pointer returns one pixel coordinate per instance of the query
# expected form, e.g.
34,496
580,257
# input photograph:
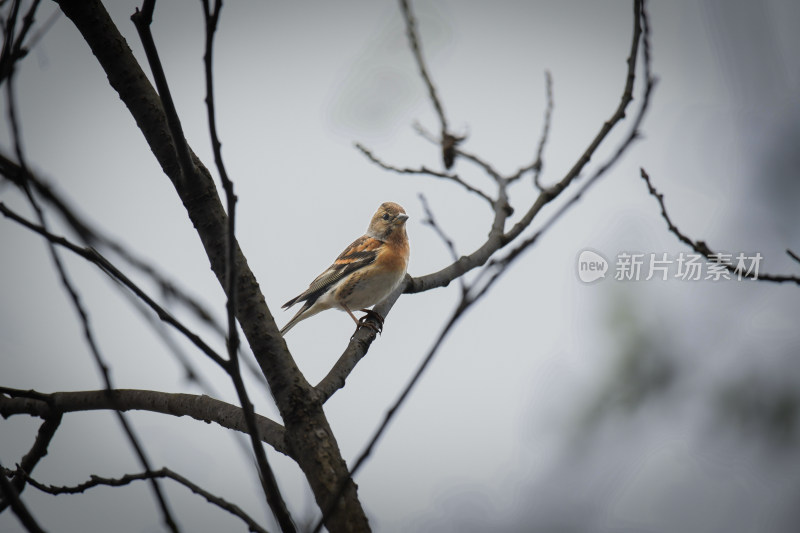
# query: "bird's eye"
386,216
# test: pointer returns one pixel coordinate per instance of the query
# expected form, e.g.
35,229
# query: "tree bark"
309,438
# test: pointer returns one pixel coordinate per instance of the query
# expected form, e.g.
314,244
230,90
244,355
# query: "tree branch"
142,20
477,290
356,349
268,482
80,310
202,408
425,171
392,411
538,164
481,256
96,481
11,495
12,50
94,239
308,433
702,248
94,257
448,141
360,342
39,449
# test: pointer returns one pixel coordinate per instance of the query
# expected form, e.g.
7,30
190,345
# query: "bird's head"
387,219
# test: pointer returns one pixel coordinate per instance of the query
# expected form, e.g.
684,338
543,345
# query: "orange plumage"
365,273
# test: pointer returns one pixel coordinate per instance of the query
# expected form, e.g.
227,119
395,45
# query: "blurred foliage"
641,371
762,410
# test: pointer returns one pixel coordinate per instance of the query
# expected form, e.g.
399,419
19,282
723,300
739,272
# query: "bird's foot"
364,320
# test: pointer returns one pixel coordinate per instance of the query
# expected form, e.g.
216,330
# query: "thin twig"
191,373
495,175
411,32
96,481
38,450
424,171
495,242
501,207
448,142
142,20
538,163
12,44
96,258
498,267
95,239
11,495
82,313
702,248
42,31
266,475
428,136
451,247
551,193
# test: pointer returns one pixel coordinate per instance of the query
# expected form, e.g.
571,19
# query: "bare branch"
38,450
619,114
425,134
199,407
448,142
97,259
13,50
191,373
702,248
96,481
268,482
501,207
495,242
94,238
430,221
11,495
356,349
498,267
142,20
391,412
538,164
308,435
495,175
425,171
413,39
81,311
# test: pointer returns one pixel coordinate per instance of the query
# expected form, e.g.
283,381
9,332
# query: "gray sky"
525,416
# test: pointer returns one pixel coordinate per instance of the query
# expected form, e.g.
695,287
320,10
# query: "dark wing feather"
360,253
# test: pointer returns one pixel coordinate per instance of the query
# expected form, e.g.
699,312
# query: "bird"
365,273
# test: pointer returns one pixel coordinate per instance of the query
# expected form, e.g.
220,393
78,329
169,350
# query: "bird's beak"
402,217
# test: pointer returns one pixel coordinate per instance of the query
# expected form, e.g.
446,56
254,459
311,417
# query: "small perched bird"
365,273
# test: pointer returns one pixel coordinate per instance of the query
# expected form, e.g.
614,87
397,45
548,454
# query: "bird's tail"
302,314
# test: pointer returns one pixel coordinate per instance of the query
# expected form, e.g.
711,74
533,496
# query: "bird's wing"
359,254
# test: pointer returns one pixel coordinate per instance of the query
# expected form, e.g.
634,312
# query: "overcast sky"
554,404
